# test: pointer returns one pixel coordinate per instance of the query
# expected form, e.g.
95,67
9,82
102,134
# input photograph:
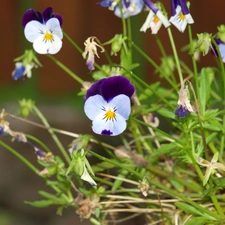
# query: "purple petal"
47,14
174,4
18,72
213,48
116,85
184,7
105,3
151,5
181,111
126,3
94,89
30,15
57,16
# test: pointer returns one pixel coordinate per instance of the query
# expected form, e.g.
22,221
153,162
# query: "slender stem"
175,55
123,19
51,131
154,64
72,42
63,67
160,186
19,156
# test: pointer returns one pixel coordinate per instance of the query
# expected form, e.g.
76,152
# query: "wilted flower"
155,18
91,50
129,7
144,186
211,166
184,105
108,105
180,15
43,30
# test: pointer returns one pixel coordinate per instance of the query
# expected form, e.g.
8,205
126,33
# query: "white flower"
46,38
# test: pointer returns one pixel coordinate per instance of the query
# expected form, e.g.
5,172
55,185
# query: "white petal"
147,22
122,103
53,26
189,18
86,176
93,106
33,30
44,47
178,23
156,26
113,127
163,19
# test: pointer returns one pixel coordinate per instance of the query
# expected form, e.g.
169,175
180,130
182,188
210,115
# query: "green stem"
136,134
194,62
160,186
51,131
72,42
175,55
63,67
19,156
154,65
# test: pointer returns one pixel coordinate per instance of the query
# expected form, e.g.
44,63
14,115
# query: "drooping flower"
129,7
180,15
155,18
91,51
43,30
184,105
107,104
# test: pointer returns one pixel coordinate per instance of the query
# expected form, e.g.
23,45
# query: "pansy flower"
180,15
43,30
155,18
91,51
107,104
221,47
129,7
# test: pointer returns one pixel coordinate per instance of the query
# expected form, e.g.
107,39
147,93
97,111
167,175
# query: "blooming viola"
43,30
155,18
107,104
91,51
180,15
129,7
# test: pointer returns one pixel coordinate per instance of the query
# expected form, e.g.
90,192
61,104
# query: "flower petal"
148,21
93,106
53,26
86,176
30,15
116,85
33,30
47,14
47,47
94,89
19,71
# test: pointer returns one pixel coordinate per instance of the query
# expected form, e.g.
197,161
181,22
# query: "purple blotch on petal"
18,72
184,7
116,85
126,3
94,89
106,132
47,14
181,111
30,15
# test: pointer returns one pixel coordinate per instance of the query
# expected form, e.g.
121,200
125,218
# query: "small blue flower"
107,104
180,15
43,30
181,111
129,7
22,70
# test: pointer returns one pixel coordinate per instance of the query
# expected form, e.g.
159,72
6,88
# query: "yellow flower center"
48,36
110,115
182,16
156,19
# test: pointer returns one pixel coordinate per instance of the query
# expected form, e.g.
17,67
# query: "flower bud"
26,107
221,33
117,44
204,43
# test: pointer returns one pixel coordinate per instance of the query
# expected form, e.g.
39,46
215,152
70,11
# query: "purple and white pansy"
180,15
108,105
43,30
129,7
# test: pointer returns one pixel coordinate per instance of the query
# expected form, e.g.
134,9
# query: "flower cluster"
43,30
107,104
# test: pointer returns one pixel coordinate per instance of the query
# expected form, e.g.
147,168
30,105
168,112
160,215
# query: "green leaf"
102,166
206,78
40,204
187,208
197,221
164,149
166,113
55,199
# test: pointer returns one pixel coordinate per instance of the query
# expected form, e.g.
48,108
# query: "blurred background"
55,93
